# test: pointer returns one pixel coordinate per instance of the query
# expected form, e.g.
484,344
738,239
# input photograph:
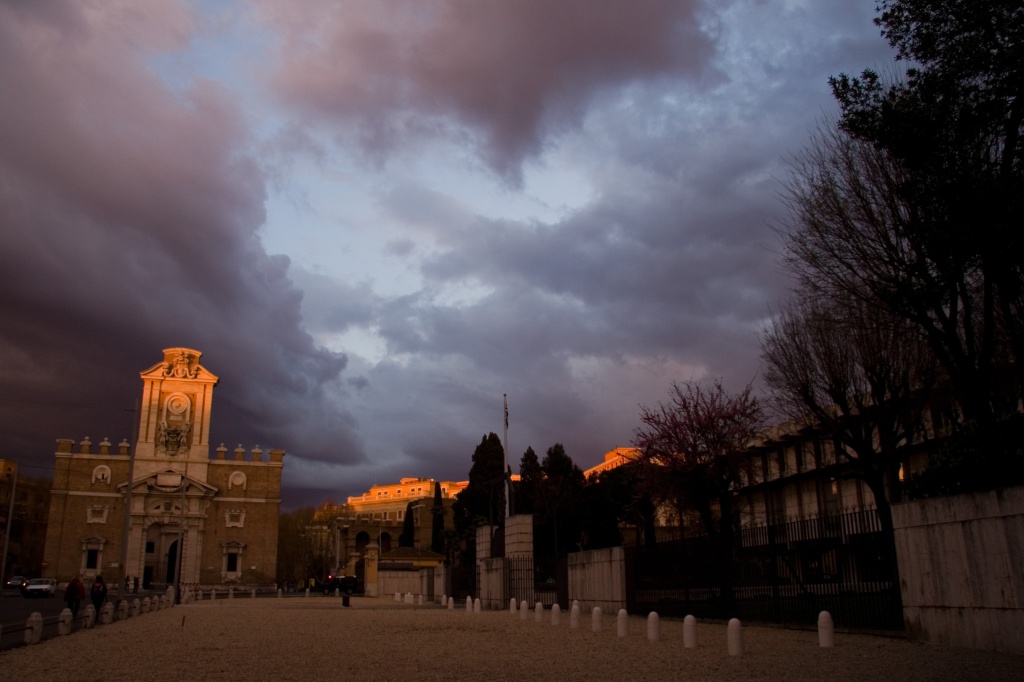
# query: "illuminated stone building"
214,520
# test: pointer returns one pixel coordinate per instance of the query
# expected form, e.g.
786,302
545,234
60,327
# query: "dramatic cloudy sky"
376,217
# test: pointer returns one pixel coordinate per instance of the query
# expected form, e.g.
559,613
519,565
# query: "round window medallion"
177,404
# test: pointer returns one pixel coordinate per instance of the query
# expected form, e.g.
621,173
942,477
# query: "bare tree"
692,449
861,377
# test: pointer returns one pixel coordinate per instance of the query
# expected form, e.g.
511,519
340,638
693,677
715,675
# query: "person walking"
74,593
98,593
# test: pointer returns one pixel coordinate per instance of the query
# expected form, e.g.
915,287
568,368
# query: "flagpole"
504,473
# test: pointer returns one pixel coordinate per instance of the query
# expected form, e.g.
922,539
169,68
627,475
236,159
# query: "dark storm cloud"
129,217
507,74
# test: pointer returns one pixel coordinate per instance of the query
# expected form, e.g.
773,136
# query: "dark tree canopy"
437,521
483,500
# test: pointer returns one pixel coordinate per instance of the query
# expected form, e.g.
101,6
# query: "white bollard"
595,619
522,610
574,616
90,616
420,601
477,605
735,635
451,603
34,628
398,597
231,592
279,593
122,610
444,600
653,626
134,609
689,632
199,595
469,605
622,623
826,630
556,614
64,622
215,593
538,613
146,605
512,604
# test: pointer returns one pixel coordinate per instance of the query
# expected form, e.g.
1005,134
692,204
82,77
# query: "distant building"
24,521
612,459
216,518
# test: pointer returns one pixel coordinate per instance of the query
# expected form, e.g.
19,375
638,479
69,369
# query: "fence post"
689,632
538,612
512,605
522,610
622,623
595,619
735,637
34,628
574,616
826,630
556,614
653,627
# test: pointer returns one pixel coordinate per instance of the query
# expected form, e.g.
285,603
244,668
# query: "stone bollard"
107,614
408,597
689,632
122,610
90,616
199,595
135,607
826,630
512,605
279,593
164,603
653,626
574,616
622,623
337,592
556,614
451,603
253,595
169,593
34,628
307,591
575,603
231,592
398,597
444,600
64,622
469,605
146,605
595,619
522,610
735,635
477,605
420,601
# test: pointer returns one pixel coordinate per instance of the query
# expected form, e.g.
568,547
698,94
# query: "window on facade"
399,515
232,566
150,548
92,558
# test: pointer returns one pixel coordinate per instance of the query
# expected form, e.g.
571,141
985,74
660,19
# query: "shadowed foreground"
315,639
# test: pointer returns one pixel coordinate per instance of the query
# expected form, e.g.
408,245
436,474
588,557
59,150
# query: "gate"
782,573
538,579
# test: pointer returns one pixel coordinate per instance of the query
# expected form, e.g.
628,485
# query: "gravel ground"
379,639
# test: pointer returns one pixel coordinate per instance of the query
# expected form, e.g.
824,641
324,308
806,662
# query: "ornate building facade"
209,521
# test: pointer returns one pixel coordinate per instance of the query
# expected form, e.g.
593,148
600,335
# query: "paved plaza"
380,639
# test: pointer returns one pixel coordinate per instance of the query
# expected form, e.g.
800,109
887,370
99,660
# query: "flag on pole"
506,412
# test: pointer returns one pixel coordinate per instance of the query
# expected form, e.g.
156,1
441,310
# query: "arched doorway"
172,562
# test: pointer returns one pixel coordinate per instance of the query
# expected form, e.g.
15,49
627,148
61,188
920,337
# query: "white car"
40,587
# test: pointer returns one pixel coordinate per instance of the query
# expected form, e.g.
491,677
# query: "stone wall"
961,564
598,578
491,585
402,582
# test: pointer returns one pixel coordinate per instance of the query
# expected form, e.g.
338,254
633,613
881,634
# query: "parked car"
16,582
39,587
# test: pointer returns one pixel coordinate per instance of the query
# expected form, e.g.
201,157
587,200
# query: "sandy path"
315,639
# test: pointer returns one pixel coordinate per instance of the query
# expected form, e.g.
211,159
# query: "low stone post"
199,595
826,630
146,605
595,619
90,616
689,632
556,614
469,604
231,592
420,601
279,593
307,592
134,609
512,605
64,622
107,614
34,628
735,636
522,610
574,616
444,600
653,626
122,610
622,623
451,603
538,612
253,595
398,597
165,602
477,605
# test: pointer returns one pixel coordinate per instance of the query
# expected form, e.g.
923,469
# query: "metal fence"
782,573
538,579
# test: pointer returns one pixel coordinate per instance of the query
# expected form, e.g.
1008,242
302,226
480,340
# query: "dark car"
345,584
16,582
